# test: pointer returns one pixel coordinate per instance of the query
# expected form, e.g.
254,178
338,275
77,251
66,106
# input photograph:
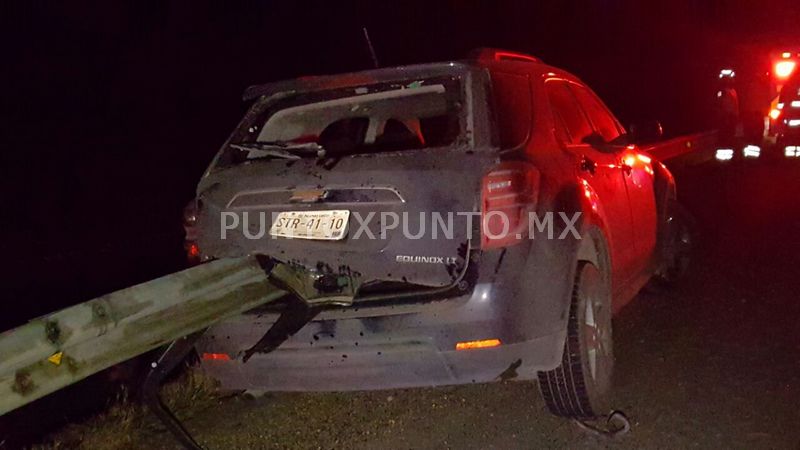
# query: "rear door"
638,176
402,171
603,173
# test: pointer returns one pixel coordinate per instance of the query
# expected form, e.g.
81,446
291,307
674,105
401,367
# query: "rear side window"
604,123
571,123
512,102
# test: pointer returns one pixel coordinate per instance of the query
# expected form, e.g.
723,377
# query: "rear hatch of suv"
374,176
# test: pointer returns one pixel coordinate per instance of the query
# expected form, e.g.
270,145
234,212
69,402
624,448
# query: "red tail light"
508,194
216,357
190,213
193,256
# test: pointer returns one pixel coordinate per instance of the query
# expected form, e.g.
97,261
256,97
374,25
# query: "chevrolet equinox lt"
541,219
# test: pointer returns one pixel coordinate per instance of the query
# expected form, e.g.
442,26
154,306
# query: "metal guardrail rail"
58,349
691,148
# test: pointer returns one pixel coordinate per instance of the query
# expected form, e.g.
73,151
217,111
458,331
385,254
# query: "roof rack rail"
496,54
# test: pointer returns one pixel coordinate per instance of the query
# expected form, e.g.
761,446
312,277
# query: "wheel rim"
596,331
592,339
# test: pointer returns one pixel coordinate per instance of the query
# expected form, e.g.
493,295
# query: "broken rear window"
367,119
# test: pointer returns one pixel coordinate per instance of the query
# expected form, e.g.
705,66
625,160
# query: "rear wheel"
579,387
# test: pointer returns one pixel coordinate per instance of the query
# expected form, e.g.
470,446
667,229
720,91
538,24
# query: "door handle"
587,165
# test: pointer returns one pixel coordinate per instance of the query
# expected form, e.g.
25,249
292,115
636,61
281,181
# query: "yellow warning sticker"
55,358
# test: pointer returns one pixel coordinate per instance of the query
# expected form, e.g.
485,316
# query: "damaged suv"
543,219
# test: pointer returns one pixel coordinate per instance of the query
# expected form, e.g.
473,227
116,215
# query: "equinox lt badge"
426,259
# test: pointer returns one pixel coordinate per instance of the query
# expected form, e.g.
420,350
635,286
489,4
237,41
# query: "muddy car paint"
518,294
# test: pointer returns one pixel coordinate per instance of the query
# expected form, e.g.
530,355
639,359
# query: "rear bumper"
400,365
386,347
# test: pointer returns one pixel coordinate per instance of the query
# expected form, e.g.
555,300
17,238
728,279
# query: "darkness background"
110,112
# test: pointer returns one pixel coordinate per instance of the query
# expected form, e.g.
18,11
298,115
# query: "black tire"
579,387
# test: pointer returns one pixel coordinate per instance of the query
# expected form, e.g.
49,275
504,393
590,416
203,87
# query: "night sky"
111,111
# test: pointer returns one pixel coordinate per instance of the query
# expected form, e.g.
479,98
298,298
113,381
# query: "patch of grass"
192,391
123,424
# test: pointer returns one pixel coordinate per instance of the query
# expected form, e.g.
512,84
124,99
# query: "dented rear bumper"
385,347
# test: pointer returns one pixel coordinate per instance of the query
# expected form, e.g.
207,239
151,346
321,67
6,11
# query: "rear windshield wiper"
280,149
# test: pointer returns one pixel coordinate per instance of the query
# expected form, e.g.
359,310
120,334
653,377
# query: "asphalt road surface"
714,363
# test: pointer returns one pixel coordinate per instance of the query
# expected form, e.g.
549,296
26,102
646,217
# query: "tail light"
508,194
190,215
216,357
192,252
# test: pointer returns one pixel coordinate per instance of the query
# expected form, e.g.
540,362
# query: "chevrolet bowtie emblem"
308,196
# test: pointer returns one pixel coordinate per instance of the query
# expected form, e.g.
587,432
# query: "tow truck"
751,114
784,75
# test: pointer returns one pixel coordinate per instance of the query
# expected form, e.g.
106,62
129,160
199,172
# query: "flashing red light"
783,69
216,357
774,114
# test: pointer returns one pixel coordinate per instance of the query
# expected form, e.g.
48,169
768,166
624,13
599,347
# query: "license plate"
322,225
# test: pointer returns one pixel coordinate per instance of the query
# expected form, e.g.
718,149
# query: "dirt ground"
711,364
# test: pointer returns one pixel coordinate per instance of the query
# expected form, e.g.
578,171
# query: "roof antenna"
371,48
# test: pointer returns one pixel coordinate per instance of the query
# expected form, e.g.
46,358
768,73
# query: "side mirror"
646,132
595,140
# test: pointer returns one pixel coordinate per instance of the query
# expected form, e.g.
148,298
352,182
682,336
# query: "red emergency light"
784,68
